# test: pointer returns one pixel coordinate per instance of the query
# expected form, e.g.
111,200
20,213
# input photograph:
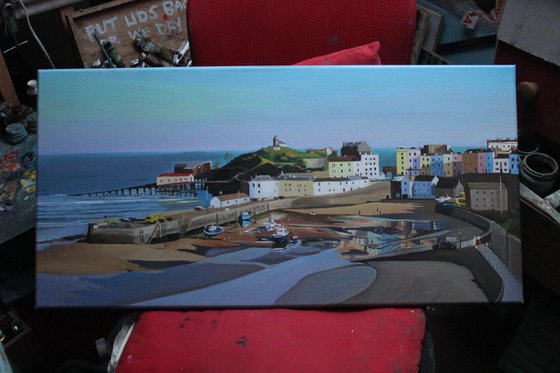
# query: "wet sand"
87,258
82,258
400,282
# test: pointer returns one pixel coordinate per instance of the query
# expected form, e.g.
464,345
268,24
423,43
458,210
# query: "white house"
501,164
338,185
501,145
368,166
227,200
174,178
364,163
263,186
414,161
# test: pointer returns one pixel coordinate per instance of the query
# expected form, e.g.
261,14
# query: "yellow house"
293,185
425,160
342,166
402,161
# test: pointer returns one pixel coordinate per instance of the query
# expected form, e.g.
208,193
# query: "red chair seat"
376,340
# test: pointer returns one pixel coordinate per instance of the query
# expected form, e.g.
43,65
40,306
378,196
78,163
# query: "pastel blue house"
436,165
489,162
423,186
514,161
405,187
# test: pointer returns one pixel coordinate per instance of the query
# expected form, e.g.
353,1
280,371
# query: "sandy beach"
81,258
86,258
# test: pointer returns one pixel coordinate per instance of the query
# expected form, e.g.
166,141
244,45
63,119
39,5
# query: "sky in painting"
207,109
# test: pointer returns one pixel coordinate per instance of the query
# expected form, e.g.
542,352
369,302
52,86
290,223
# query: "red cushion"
283,32
376,340
363,55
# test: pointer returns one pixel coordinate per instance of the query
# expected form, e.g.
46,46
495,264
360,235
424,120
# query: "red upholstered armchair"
283,32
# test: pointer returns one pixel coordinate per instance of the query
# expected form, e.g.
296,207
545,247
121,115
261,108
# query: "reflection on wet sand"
324,261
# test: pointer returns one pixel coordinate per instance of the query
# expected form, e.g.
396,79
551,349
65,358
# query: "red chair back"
283,32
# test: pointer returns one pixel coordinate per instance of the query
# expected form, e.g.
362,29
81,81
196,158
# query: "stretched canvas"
278,186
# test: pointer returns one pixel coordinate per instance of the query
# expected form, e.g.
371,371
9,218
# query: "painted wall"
341,169
501,165
263,188
321,188
175,179
514,161
422,189
402,160
470,163
436,165
485,199
295,188
217,203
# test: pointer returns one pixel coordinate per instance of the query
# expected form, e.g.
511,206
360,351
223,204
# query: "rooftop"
296,177
507,139
343,159
447,182
350,178
175,174
486,185
424,178
191,164
227,197
263,178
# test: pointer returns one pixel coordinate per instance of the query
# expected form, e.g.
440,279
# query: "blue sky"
197,109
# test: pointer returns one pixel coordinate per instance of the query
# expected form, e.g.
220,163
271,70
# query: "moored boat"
213,230
280,238
245,215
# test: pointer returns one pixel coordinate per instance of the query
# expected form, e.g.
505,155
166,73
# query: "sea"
62,214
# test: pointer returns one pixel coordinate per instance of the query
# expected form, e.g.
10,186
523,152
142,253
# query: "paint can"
526,147
31,120
539,172
15,133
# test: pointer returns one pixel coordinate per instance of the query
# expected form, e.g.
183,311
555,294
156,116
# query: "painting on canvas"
277,186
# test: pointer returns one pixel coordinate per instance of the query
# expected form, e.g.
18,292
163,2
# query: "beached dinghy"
280,239
213,230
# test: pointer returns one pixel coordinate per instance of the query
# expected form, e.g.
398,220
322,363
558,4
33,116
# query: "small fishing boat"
271,225
213,230
245,215
280,238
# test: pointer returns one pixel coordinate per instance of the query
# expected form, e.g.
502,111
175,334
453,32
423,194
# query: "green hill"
286,154
265,161
287,159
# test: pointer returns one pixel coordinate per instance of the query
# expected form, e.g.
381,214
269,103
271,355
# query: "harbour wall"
231,215
192,221
506,246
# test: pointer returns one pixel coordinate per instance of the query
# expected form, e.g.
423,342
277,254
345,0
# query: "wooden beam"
7,90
